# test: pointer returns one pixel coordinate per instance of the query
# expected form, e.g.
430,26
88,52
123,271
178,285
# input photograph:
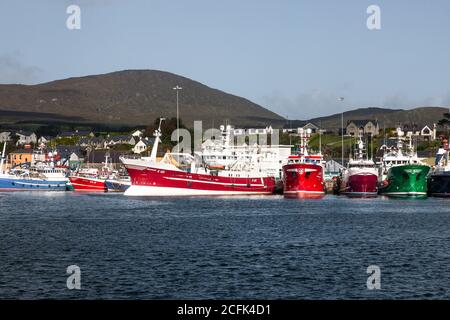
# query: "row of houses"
23,137
372,127
71,156
85,139
139,145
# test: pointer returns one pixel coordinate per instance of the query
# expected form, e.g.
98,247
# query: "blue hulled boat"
16,180
26,180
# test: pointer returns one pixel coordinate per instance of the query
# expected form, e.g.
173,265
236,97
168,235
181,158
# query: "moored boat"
439,180
360,178
26,180
118,184
303,175
90,179
95,183
181,174
403,174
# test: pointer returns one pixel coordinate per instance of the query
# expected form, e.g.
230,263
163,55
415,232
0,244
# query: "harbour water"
209,248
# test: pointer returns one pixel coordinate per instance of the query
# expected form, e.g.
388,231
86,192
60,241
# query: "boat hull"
11,184
360,185
148,181
87,184
117,186
406,181
439,185
303,181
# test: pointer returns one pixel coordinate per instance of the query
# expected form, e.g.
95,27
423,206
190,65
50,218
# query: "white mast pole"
178,88
342,138
342,133
2,161
156,134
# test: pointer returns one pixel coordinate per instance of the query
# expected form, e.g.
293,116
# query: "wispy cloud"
12,70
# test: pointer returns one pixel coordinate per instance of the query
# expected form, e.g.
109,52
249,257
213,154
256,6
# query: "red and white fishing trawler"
303,175
91,179
360,178
181,174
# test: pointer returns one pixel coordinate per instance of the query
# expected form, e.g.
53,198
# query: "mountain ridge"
133,97
137,97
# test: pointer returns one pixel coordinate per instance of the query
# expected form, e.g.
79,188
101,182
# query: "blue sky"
293,57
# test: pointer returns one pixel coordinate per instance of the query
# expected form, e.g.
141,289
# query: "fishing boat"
118,182
439,180
91,179
402,173
28,180
303,175
182,174
360,178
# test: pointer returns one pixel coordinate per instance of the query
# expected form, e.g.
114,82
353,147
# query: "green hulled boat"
406,181
403,174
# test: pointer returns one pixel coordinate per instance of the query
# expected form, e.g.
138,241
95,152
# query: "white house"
44,139
142,145
428,133
138,133
311,126
26,138
5,136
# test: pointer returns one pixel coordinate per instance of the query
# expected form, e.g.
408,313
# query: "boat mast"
342,138
2,161
320,137
156,134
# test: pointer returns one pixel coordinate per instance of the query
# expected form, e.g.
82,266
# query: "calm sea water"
195,248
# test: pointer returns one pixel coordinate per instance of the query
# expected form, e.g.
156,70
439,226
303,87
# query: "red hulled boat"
80,183
303,174
90,179
181,174
360,178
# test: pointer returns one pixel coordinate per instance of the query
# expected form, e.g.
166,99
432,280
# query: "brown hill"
131,97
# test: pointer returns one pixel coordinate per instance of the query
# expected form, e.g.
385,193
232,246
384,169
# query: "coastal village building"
427,133
26,138
44,139
74,160
137,133
19,157
115,140
95,142
5,136
366,127
76,134
314,128
142,145
71,156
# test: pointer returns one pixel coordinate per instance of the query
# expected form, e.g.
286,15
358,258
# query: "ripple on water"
223,247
